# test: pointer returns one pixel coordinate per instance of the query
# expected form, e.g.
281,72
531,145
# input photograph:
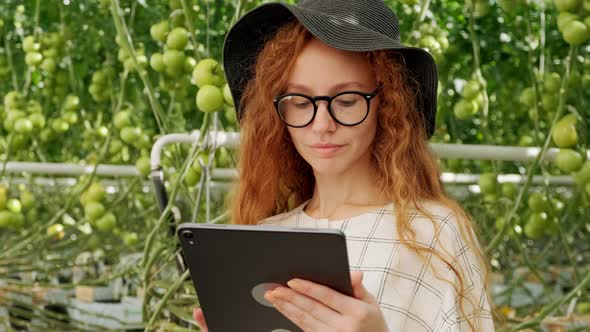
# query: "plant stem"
165,298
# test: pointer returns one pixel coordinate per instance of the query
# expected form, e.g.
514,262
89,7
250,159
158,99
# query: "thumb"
358,290
200,319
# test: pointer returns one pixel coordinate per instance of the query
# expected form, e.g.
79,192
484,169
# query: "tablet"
232,266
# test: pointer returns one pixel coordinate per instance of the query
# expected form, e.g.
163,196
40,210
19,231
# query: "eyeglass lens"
347,108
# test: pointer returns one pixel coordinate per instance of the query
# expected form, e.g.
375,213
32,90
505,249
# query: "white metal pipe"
70,169
491,152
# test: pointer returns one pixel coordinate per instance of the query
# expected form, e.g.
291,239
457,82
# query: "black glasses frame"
366,96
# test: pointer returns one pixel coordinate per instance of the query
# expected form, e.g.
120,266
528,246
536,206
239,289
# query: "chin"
327,165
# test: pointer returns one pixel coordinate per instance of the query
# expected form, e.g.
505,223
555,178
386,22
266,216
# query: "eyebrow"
336,87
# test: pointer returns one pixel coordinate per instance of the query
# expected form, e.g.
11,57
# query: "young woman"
335,117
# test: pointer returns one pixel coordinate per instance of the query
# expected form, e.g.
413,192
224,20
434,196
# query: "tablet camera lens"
187,234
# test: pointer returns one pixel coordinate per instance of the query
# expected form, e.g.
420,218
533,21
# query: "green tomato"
130,239
509,190
143,166
38,120
576,33
9,219
12,100
204,158
567,5
95,192
471,90
569,160
488,183
14,205
48,65
465,109
70,117
552,82
227,96
6,219
11,118
130,134
30,45
175,4
23,126
564,134
189,64
72,103
56,231
537,202
210,99
583,175
174,62
94,210
102,131
27,199
60,125
230,114
33,59
551,227
122,119
177,39
527,97
160,30
107,222
208,72
115,147
535,226
192,177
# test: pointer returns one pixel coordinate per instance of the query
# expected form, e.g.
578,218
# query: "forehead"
319,66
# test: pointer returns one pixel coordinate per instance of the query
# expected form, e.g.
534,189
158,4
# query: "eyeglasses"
348,108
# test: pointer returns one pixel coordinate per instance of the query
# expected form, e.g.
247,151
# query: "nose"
323,120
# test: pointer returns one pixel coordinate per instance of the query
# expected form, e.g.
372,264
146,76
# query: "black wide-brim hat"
352,25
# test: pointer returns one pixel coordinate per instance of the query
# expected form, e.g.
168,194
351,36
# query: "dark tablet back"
233,265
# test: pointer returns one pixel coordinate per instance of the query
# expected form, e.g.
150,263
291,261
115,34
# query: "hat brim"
247,37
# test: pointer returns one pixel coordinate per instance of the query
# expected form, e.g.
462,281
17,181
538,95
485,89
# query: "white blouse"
410,296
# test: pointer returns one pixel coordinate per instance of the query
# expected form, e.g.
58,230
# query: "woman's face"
321,70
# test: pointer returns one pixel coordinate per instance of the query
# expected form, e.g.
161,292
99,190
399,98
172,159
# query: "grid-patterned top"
410,296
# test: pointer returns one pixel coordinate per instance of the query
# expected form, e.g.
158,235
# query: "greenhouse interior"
121,120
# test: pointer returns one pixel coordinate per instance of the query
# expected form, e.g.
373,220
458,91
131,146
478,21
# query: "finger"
329,297
302,319
358,289
200,319
314,308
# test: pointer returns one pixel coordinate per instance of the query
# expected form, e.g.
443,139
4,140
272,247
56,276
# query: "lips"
326,150
325,146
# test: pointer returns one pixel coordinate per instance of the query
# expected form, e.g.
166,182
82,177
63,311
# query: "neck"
355,187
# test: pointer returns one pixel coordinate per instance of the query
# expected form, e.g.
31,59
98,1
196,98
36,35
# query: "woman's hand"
200,319
315,307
